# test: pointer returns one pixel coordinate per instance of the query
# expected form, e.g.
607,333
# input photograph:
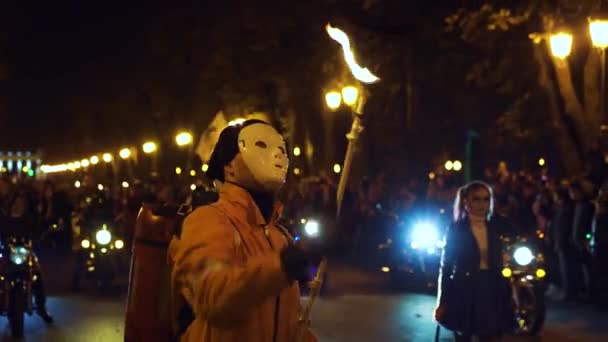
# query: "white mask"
265,155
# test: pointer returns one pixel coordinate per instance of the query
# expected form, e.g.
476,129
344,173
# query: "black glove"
297,262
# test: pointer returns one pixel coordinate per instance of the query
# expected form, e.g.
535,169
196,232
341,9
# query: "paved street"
357,310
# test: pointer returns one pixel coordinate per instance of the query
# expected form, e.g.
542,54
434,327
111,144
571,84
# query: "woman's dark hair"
464,191
226,148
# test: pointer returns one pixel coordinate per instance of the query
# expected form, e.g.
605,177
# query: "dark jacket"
582,222
561,227
457,276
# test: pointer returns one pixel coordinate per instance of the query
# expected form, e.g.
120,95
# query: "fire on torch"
364,76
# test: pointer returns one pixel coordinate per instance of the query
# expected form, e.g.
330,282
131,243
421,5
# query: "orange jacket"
227,266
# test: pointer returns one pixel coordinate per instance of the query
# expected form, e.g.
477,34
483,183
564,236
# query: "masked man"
233,265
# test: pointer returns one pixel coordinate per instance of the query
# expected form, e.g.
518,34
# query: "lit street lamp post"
151,148
185,139
125,154
561,45
334,100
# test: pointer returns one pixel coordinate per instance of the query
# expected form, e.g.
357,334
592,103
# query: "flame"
362,74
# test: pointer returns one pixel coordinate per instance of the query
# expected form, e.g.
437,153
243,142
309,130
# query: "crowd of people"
569,214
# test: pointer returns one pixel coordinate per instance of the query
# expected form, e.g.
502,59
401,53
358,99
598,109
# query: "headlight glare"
19,255
103,237
312,228
424,235
119,244
523,256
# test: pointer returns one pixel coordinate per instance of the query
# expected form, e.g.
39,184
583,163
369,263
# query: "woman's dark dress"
476,302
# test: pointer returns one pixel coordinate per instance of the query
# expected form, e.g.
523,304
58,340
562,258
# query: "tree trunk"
569,156
573,106
592,88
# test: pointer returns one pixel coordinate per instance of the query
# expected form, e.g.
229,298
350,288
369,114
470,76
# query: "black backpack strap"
182,212
185,317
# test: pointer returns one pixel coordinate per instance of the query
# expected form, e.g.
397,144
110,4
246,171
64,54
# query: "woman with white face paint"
234,265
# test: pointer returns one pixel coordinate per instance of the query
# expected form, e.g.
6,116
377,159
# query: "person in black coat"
473,297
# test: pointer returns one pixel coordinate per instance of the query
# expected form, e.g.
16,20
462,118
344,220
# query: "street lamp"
107,157
149,147
297,151
457,165
599,33
541,162
561,45
94,160
183,139
125,153
84,163
599,37
449,165
337,168
350,94
333,99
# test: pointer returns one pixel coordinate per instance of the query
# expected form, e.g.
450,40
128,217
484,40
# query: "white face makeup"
265,155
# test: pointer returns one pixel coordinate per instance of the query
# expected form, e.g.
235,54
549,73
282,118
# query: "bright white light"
125,153
425,235
103,237
183,138
100,187
523,256
19,255
312,228
561,44
85,243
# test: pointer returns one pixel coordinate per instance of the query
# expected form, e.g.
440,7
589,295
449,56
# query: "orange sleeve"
219,288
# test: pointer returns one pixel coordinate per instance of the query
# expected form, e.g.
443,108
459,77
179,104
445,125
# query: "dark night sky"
50,49
67,60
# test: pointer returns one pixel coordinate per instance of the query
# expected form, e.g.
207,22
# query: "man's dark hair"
227,148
